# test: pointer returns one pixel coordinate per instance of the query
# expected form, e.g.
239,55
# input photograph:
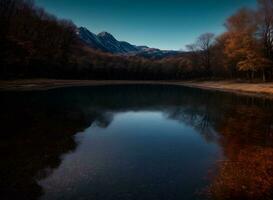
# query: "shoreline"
252,89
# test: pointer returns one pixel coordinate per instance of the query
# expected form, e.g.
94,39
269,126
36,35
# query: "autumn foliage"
36,44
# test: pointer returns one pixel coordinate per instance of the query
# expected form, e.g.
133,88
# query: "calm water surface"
137,142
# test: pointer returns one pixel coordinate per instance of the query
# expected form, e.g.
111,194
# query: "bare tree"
266,26
205,43
265,15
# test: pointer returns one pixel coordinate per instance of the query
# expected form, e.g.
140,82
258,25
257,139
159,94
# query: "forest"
36,44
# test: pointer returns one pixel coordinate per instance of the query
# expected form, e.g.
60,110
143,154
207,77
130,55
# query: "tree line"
35,44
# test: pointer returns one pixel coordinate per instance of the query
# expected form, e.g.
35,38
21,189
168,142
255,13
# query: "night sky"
164,24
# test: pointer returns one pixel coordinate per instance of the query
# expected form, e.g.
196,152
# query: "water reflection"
246,138
134,142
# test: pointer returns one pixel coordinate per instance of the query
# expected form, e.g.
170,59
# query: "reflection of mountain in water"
37,128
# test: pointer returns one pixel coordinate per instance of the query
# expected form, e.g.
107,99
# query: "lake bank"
46,84
244,88
257,89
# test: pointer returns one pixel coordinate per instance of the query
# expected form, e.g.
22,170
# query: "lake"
137,142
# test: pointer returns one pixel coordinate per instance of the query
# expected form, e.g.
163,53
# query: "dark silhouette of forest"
35,44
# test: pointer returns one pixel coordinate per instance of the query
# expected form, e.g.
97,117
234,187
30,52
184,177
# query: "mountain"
106,42
91,39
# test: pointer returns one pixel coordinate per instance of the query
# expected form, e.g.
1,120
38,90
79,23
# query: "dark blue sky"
165,24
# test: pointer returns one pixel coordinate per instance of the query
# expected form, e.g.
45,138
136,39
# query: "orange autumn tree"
253,59
242,47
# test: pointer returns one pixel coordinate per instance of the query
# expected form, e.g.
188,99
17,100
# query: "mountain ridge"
106,42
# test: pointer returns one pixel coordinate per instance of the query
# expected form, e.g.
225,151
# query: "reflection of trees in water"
196,119
34,134
104,120
38,127
200,112
247,142
243,126
248,176
245,133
